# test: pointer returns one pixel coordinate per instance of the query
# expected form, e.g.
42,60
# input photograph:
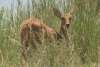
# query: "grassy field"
83,40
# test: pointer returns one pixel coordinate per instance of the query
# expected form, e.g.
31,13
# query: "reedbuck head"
65,18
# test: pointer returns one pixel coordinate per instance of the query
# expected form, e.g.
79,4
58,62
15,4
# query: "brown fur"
30,28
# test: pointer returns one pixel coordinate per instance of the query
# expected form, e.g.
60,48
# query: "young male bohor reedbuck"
31,27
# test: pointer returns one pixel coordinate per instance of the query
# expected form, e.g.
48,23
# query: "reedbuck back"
30,28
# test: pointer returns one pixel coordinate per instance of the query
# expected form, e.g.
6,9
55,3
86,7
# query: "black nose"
67,25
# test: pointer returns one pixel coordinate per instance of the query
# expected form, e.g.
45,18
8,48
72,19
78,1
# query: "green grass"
82,44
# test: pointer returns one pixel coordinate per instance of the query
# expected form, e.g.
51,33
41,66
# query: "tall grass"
83,40
85,33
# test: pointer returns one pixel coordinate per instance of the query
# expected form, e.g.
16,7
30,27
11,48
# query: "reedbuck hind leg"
24,35
24,47
35,38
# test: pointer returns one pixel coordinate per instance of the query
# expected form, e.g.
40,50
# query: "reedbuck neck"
65,20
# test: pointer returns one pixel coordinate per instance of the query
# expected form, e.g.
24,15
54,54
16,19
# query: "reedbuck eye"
62,18
70,18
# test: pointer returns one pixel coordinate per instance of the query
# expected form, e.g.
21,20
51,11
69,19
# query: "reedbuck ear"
57,12
72,11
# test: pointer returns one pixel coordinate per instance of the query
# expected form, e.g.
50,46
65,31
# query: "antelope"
30,28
